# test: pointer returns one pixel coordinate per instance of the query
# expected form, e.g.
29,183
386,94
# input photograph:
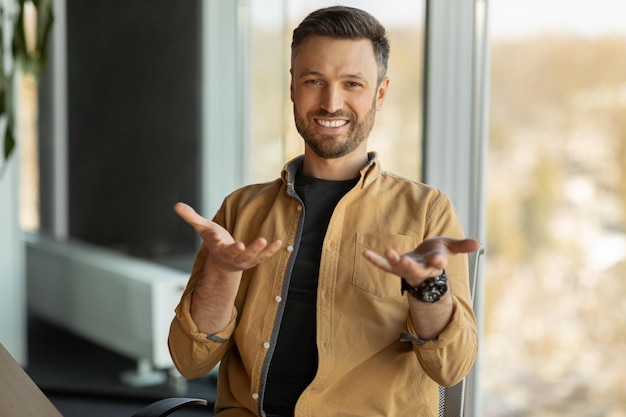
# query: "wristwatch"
430,290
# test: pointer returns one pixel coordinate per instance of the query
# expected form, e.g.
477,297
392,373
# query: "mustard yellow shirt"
371,363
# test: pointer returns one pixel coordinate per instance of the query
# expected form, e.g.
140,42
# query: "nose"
332,99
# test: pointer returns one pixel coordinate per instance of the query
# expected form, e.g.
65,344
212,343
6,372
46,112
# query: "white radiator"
120,302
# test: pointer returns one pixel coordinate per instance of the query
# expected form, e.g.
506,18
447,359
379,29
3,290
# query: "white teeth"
331,123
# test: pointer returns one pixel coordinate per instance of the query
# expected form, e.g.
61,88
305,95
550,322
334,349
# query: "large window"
555,316
397,132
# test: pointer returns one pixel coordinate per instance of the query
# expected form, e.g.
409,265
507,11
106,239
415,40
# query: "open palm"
227,254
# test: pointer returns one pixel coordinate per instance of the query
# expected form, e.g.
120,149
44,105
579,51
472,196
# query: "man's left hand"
429,259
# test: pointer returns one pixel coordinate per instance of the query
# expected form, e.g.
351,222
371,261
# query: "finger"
455,246
250,252
257,252
444,246
391,261
409,265
273,247
188,214
205,228
209,232
438,255
268,251
435,261
377,260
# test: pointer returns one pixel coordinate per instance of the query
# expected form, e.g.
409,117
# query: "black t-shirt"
294,362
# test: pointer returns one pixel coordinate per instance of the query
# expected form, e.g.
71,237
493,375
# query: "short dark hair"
344,22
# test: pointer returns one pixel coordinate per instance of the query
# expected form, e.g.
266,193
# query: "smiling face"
335,94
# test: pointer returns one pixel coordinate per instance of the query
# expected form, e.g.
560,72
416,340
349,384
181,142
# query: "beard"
334,146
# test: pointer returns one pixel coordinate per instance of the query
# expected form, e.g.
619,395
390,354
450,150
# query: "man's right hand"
214,293
226,254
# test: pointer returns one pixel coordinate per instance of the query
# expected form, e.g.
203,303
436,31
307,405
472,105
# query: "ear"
381,93
291,84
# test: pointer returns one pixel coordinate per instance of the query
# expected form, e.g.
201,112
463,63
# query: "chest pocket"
371,278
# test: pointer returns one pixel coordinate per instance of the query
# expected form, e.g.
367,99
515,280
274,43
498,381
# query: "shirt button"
290,248
255,396
278,298
266,345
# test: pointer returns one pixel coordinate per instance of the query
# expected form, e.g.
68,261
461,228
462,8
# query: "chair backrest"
451,399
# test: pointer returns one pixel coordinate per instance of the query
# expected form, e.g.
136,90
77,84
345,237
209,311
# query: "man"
296,288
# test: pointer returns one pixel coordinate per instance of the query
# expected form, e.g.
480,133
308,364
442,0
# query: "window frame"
456,109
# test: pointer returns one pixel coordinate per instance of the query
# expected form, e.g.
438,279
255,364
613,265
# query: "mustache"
322,113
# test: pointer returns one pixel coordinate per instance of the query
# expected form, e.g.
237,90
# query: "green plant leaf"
29,61
3,108
9,141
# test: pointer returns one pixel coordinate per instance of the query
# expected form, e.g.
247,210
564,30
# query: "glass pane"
555,316
397,132
269,91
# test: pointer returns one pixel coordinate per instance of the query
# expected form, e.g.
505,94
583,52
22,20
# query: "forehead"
331,56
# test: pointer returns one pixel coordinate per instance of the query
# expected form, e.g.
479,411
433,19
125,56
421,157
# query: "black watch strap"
430,290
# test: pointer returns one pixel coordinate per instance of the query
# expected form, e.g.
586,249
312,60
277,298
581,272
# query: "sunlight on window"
29,170
554,312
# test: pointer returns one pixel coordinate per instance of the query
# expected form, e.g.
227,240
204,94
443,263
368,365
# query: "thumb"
188,214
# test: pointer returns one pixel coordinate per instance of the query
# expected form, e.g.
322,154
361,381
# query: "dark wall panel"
134,122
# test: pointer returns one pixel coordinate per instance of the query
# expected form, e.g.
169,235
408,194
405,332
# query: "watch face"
434,294
432,289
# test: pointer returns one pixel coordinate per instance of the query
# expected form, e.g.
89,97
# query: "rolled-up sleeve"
195,353
448,358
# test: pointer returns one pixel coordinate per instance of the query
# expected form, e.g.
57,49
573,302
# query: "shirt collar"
369,172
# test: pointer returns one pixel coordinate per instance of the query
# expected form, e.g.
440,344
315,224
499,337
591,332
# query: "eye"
354,84
312,82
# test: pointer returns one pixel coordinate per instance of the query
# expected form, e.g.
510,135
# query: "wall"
12,281
12,275
133,124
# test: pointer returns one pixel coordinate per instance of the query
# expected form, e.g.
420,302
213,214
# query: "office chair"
167,406
452,399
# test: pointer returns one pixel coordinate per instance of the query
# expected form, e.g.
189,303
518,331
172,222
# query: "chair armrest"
167,406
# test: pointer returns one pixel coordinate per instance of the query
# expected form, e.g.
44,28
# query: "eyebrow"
358,75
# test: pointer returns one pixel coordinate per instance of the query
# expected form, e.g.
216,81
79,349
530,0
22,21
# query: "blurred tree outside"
555,319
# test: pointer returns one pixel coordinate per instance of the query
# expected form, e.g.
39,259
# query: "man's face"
335,95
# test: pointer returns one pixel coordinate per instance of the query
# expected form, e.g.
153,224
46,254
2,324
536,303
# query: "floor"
82,379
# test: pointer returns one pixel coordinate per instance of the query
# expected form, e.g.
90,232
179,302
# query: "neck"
346,167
